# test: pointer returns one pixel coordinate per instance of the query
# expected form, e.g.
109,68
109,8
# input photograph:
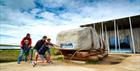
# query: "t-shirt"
43,49
25,48
39,44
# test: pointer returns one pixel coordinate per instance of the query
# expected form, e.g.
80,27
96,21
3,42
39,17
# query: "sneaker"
50,62
34,64
18,62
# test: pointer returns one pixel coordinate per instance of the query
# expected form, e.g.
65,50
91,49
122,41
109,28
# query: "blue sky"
48,17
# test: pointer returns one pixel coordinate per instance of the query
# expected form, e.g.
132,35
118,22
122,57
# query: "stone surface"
78,39
96,41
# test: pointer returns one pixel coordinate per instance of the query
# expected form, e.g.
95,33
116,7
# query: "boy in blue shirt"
25,51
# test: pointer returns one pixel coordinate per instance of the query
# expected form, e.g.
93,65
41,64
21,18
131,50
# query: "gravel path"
28,67
131,63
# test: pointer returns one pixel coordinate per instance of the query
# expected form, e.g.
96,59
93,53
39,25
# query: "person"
25,48
41,52
38,46
45,47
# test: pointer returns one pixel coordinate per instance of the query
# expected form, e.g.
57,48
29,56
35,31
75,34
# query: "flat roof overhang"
122,23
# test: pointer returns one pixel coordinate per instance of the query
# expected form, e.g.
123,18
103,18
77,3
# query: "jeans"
21,54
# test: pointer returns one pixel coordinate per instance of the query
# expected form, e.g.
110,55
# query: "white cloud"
17,24
48,16
37,28
17,4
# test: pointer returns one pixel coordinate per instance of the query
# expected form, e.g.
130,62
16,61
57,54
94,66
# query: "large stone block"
75,39
79,39
96,40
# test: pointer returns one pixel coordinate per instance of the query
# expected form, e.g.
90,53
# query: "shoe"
25,60
34,64
18,62
50,62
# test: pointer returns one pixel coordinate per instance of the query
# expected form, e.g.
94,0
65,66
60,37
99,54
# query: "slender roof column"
107,42
132,38
118,35
115,35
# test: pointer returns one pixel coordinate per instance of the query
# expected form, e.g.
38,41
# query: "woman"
25,48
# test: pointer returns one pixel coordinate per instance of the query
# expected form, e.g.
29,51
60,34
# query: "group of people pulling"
40,49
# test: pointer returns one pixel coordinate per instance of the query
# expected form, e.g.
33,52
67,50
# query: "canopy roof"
123,23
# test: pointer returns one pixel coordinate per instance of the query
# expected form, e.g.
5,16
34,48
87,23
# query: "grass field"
11,55
9,45
8,55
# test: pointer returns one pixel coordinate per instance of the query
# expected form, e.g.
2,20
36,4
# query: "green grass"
11,55
8,55
92,62
9,45
53,51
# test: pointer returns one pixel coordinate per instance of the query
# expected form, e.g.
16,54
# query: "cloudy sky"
48,17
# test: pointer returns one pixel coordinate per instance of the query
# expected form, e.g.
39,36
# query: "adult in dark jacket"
45,47
39,45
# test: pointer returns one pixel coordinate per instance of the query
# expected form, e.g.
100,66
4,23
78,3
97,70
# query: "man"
45,47
38,46
25,48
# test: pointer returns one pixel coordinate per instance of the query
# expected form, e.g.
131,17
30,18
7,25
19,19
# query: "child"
25,50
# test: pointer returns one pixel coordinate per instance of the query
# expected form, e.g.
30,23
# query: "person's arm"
54,45
22,42
51,44
30,43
